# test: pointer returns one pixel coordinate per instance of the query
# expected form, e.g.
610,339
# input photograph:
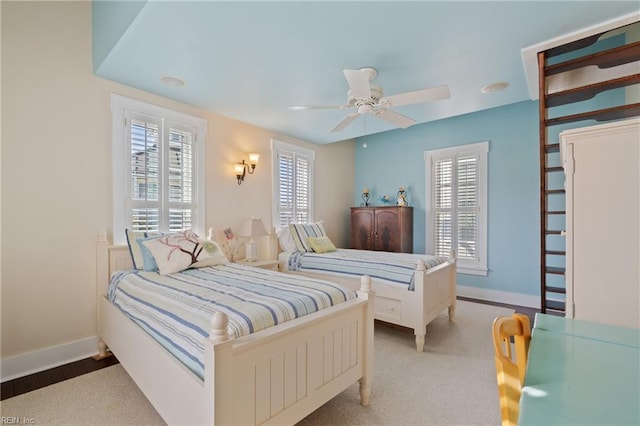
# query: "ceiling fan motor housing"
376,95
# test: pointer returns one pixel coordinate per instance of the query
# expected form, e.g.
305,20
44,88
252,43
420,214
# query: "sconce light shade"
252,228
239,168
242,168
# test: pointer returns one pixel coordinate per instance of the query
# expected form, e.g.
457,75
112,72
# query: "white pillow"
182,250
286,241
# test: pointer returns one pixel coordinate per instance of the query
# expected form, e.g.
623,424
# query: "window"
293,184
457,205
158,173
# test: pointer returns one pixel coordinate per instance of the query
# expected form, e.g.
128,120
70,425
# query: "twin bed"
411,289
277,374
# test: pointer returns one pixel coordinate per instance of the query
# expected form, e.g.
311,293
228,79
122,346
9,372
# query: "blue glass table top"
581,373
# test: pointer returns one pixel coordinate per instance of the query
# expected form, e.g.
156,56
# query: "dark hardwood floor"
44,378
530,312
39,380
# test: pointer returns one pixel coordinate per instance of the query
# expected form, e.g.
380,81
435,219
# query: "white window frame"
276,148
123,107
476,266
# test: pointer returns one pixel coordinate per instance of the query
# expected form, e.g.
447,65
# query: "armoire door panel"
387,231
362,225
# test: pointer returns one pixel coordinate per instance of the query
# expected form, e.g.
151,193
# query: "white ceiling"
252,60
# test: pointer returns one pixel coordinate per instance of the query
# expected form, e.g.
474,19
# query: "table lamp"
252,228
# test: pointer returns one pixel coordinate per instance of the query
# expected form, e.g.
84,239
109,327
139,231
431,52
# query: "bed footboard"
281,376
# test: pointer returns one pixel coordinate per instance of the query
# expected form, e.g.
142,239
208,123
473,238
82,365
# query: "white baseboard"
43,359
509,298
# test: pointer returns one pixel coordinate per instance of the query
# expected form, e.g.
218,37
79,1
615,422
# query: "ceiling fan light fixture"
495,87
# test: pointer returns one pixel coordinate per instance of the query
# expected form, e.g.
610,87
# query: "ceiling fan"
367,98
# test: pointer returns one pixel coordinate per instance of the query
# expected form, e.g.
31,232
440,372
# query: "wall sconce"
241,169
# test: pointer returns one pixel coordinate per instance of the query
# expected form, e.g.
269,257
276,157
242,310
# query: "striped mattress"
175,309
396,268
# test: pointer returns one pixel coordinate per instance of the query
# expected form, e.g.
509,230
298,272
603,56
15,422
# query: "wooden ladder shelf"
552,213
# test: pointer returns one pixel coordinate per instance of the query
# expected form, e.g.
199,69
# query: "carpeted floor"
451,383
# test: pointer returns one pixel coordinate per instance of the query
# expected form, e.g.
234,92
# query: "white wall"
56,174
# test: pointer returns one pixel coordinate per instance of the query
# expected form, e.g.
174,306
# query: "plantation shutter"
455,181
302,210
467,199
294,185
144,201
158,169
162,175
285,205
443,206
180,179
456,205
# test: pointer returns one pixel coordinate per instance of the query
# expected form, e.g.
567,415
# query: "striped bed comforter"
397,268
175,309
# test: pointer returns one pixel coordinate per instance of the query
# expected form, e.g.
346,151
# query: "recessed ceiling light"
172,81
495,87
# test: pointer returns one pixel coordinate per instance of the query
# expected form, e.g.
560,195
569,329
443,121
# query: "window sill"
472,271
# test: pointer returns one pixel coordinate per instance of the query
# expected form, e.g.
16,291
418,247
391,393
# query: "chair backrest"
511,362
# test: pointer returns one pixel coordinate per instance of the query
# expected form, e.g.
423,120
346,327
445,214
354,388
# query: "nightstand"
263,263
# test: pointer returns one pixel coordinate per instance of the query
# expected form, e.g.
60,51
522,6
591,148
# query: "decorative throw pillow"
134,248
321,244
301,231
182,250
149,263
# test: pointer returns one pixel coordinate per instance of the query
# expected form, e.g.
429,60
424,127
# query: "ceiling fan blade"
305,107
419,96
394,118
345,122
358,83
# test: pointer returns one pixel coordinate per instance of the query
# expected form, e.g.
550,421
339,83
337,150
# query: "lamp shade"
252,228
253,158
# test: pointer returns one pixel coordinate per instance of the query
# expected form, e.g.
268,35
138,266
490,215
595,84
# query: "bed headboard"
109,259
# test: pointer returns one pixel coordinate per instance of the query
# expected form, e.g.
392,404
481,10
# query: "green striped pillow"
301,231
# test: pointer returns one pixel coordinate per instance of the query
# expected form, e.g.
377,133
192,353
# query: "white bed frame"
275,376
435,291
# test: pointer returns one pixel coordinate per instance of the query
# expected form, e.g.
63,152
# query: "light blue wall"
396,158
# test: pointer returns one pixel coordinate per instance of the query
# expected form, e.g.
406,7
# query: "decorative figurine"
402,197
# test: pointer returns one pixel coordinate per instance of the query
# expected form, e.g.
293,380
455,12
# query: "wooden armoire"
382,228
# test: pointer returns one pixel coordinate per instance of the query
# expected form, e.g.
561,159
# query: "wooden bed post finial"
365,283
421,266
218,327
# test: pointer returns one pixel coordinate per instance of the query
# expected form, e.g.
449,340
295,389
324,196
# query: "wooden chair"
511,362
